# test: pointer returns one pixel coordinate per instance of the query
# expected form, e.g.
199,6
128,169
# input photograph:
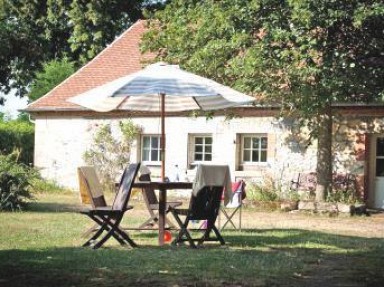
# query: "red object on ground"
167,236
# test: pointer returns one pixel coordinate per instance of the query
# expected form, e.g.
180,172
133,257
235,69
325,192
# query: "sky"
12,104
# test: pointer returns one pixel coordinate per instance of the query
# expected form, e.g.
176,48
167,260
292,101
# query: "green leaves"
303,53
36,32
15,183
17,135
53,73
111,150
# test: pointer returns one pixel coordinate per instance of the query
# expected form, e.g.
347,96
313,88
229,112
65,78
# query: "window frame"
158,148
260,149
204,152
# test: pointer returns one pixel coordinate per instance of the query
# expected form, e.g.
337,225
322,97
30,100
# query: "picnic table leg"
162,204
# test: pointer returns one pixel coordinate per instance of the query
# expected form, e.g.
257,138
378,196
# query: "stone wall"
350,145
62,141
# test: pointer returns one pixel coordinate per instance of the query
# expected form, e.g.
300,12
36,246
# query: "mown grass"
42,247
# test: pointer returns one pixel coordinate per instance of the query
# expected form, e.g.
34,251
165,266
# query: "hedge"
17,135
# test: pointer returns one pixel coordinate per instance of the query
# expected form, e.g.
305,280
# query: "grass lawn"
42,247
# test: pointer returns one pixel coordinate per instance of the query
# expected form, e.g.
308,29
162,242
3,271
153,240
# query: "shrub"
263,191
342,196
291,194
15,182
110,153
17,135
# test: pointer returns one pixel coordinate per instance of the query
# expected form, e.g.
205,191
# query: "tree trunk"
324,154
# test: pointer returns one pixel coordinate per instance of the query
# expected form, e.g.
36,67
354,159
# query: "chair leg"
211,226
155,220
127,238
183,231
150,221
228,219
218,235
96,235
89,231
111,231
112,228
121,236
170,224
240,215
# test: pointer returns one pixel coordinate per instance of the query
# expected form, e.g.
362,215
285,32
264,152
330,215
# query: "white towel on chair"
213,175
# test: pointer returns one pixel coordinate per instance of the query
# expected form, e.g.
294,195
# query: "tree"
97,22
17,135
35,32
304,55
53,73
26,42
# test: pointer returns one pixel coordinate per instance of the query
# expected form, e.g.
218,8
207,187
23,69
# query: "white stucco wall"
61,142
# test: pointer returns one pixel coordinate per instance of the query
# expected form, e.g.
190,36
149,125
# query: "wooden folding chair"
204,205
234,206
152,203
91,191
109,218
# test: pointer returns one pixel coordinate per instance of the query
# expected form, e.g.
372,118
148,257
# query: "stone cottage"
256,145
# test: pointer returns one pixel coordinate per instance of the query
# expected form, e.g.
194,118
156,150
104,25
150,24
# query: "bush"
342,196
110,153
15,182
264,191
17,135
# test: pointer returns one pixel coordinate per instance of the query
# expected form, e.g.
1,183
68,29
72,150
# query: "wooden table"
162,187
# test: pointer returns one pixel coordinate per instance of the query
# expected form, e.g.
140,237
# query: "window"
150,149
254,148
380,156
201,147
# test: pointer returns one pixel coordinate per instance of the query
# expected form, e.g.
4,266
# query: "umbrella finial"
162,64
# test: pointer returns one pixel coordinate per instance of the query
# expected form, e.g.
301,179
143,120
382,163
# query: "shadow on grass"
268,257
39,206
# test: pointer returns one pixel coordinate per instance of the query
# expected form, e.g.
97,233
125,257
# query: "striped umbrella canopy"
161,87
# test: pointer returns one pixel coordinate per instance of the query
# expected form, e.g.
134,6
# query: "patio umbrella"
164,88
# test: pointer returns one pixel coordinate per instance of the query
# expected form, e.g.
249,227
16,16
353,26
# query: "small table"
162,187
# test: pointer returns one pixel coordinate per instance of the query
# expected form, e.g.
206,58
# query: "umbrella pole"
162,139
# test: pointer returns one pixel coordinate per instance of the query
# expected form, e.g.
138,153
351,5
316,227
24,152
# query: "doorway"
376,194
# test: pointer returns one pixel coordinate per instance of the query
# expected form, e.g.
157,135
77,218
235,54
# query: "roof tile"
120,58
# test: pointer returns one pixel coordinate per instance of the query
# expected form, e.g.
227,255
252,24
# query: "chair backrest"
91,190
213,175
125,187
305,181
238,189
205,204
149,193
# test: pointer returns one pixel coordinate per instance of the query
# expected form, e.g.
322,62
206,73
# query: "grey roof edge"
258,106
82,109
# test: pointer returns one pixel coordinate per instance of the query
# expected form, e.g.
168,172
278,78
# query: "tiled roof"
120,58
